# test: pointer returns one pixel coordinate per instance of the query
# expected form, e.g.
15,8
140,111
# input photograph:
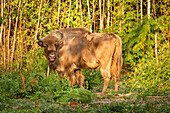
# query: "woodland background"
143,25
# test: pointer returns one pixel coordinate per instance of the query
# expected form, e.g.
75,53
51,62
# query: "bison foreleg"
72,79
79,78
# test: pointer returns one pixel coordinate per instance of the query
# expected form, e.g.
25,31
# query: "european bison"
72,49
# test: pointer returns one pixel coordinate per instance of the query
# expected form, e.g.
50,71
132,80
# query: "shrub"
150,78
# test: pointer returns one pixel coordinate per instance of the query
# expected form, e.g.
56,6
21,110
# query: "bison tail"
117,60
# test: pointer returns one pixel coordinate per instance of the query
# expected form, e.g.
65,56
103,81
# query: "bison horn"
60,34
38,36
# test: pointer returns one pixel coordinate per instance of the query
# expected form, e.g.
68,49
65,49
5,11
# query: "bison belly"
89,61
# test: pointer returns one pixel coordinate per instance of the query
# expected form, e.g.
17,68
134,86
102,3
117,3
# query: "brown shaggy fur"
84,50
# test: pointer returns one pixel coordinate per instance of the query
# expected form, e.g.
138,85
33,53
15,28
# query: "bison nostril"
51,57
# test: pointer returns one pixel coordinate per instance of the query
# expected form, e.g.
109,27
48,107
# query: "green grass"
52,95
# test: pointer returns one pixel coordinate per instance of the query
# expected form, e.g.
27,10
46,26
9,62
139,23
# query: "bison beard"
78,49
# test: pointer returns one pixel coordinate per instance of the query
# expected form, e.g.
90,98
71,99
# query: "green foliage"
152,78
92,79
78,94
137,43
9,86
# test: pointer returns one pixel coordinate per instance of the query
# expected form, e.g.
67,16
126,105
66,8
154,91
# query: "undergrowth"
42,94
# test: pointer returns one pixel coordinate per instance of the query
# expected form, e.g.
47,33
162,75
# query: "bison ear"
59,34
60,44
40,43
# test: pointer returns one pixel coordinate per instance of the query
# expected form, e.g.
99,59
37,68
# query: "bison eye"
56,45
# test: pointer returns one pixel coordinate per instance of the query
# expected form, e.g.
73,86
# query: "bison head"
51,43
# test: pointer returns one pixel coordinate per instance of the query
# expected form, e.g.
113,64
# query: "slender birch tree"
59,4
69,14
2,11
113,16
32,58
148,12
101,22
141,8
1,49
103,15
121,13
4,42
15,34
137,10
89,15
81,13
156,48
108,13
8,40
94,16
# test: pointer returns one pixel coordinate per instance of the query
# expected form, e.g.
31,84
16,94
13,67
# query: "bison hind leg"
115,75
106,76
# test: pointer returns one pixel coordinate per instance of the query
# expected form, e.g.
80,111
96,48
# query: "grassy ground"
83,100
156,104
52,95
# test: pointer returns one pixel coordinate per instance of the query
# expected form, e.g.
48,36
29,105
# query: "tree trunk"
62,19
4,48
21,41
42,17
38,20
89,15
148,11
121,14
156,50
4,39
77,6
94,16
2,10
8,40
101,23
1,49
113,22
59,4
103,15
137,10
15,33
32,56
141,11
108,13
69,14
81,14
156,44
